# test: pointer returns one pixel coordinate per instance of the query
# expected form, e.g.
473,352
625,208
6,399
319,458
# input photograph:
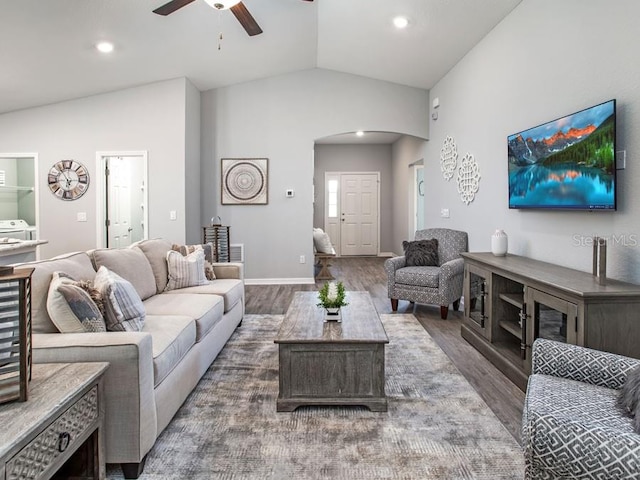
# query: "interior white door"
119,203
359,214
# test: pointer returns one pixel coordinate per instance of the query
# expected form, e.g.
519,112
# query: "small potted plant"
332,298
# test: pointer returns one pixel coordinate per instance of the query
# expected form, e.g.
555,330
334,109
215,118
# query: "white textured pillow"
123,308
185,271
322,241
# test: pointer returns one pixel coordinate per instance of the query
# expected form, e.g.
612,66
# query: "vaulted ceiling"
47,47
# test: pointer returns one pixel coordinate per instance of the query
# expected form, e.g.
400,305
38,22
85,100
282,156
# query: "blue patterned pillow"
421,253
123,308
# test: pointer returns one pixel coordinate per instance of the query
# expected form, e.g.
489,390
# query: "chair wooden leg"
133,470
444,311
394,304
456,305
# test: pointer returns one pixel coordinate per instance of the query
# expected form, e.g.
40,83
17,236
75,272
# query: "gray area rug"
437,427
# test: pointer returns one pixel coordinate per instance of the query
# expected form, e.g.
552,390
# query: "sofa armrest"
129,400
229,270
452,268
393,264
573,362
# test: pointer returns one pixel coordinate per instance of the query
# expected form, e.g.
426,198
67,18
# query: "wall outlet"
444,212
302,259
173,215
82,216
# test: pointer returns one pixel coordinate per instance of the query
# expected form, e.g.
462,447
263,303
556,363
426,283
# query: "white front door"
351,212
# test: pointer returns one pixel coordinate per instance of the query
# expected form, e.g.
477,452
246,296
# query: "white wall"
406,151
545,60
279,118
356,158
150,117
193,184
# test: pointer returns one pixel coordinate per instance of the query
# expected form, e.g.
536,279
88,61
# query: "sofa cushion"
185,271
129,263
173,336
124,311
156,252
231,290
418,276
421,253
71,308
206,310
207,248
77,265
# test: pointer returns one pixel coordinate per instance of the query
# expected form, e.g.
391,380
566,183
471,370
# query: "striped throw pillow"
207,248
185,271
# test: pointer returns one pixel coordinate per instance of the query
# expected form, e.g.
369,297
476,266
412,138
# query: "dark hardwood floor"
367,274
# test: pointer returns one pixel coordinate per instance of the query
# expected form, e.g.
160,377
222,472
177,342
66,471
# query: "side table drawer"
59,437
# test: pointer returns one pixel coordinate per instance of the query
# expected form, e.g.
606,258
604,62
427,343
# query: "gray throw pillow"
629,397
421,253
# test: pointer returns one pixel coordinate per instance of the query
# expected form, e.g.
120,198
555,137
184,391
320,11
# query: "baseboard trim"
387,254
280,281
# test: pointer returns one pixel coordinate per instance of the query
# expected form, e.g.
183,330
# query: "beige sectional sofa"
152,371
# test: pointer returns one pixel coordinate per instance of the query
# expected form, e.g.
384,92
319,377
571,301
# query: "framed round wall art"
244,181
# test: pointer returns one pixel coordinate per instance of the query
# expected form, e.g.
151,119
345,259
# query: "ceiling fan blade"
246,19
172,6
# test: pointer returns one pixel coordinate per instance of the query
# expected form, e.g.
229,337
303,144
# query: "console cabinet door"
550,317
477,299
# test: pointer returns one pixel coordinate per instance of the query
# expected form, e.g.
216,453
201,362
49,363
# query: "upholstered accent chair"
572,426
432,285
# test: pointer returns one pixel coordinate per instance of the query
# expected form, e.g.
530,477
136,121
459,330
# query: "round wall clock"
68,179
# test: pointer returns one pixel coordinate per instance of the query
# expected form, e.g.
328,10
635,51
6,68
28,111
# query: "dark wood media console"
512,300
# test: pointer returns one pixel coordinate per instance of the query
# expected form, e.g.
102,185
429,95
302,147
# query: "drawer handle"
64,439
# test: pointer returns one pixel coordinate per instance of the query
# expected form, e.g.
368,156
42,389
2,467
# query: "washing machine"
17,229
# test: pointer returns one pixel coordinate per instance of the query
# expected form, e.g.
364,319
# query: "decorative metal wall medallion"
468,178
448,158
244,181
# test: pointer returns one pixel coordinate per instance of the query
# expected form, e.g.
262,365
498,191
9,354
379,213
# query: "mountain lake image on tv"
568,163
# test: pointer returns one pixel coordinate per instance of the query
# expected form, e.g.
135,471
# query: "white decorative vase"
499,242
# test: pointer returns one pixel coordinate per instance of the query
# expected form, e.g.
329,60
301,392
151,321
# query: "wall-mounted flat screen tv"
568,163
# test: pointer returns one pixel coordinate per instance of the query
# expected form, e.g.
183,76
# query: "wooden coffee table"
330,363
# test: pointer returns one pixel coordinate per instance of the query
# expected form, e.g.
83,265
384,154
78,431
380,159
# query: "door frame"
101,199
327,177
36,189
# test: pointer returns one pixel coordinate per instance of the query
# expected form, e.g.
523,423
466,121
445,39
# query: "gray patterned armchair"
439,285
572,427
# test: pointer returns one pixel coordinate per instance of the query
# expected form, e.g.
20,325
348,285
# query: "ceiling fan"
237,8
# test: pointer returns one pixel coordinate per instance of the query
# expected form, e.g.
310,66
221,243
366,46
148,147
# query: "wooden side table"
59,429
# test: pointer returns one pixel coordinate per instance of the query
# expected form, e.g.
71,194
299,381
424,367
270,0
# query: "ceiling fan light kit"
222,5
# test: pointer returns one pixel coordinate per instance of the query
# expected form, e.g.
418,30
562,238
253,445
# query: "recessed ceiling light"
105,47
401,22
360,133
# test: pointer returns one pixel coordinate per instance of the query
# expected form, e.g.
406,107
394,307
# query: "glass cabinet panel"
552,318
477,299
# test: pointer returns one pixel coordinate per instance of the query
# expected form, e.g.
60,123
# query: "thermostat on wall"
289,193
